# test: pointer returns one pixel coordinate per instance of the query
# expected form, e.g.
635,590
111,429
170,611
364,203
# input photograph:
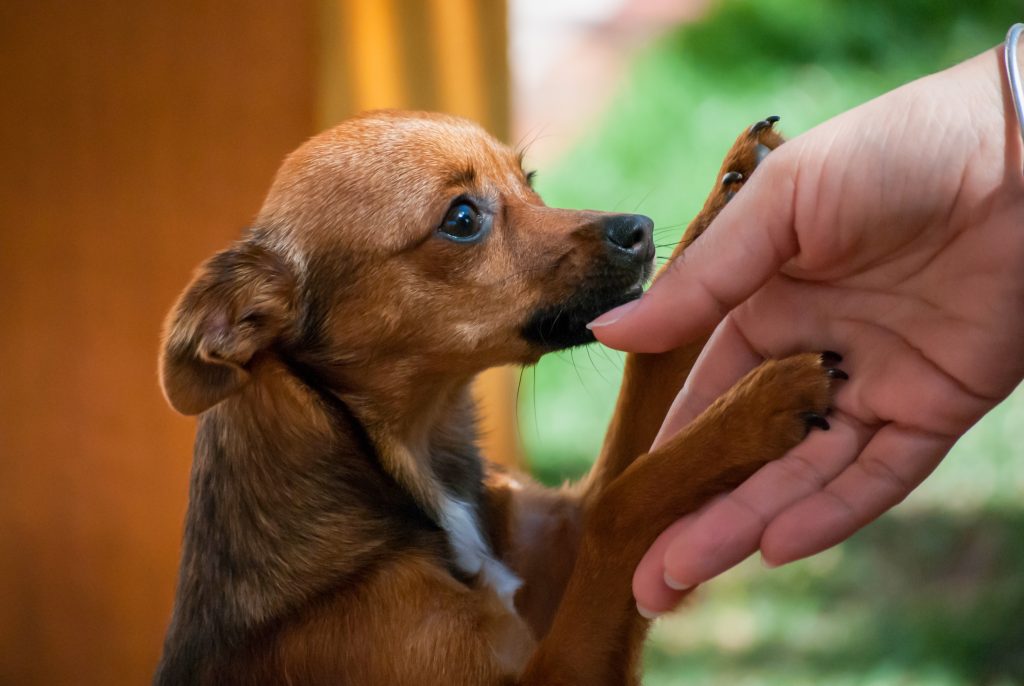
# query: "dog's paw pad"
760,153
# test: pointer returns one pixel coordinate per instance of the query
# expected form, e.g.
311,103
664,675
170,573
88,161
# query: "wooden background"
136,138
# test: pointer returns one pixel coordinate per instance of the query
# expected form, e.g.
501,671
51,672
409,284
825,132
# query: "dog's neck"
422,425
287,501
423,428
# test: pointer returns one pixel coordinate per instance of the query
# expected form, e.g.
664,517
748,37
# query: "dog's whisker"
536,421
572,360
523,146
643,200
594,365
614,359
519,388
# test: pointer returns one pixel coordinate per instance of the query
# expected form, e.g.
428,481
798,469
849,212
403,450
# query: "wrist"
984,89
999,108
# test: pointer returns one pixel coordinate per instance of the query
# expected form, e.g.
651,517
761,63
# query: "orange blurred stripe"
374,51
458,53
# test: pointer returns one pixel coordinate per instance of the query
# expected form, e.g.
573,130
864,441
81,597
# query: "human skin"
894,234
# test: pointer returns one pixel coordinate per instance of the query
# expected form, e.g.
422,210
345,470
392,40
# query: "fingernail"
647,614
612,316
675,585
766,564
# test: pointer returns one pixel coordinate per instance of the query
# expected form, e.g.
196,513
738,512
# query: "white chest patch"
472,554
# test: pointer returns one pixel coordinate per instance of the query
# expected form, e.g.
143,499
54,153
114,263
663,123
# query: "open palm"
893,234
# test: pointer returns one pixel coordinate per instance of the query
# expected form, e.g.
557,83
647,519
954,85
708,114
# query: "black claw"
731,178
837,373
831,358
815,420
765,123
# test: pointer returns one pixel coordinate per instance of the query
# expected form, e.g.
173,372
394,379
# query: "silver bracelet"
1013,73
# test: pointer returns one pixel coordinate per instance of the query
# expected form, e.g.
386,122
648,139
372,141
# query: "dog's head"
409,241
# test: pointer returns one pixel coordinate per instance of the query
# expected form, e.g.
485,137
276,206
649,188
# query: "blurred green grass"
932,593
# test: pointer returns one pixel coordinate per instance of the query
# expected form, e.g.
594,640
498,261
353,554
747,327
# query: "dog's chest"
472,554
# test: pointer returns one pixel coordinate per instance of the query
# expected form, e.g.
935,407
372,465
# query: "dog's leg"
767,413
650,381
538,526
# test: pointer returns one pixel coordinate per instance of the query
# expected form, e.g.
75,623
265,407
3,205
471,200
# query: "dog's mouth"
564,325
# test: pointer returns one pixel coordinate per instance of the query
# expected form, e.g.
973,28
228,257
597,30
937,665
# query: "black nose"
630,233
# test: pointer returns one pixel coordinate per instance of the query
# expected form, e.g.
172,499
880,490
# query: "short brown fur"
328,355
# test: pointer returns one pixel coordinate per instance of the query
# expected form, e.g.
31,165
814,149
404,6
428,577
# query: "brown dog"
342,528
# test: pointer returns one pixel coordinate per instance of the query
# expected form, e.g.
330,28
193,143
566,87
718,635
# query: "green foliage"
925,598
879,35
928,595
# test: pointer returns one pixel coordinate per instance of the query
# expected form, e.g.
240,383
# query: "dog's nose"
632,234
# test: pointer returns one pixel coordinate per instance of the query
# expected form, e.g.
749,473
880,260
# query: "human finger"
725,359
745,246
731,529
653,595
891,465
719,536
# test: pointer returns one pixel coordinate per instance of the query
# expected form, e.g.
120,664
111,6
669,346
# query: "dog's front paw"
780,402
802,387
747,152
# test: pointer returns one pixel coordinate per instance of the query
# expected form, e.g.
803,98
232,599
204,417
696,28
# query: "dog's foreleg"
767,413
651,381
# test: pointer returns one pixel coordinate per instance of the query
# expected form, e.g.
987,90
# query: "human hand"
893,233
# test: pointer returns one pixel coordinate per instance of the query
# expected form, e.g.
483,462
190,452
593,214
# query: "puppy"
342,528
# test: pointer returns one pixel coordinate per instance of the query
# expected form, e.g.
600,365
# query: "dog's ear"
239,303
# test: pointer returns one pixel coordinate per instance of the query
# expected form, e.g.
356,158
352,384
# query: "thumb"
742,249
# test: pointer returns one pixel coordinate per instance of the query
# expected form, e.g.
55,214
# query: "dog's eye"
462,223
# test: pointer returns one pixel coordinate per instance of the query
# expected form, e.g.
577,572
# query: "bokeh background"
137,138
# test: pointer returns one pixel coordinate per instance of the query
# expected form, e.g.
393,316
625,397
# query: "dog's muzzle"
616,278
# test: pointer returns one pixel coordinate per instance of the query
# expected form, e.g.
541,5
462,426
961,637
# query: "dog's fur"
342,528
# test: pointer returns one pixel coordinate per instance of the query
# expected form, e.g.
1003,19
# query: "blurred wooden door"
135,139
